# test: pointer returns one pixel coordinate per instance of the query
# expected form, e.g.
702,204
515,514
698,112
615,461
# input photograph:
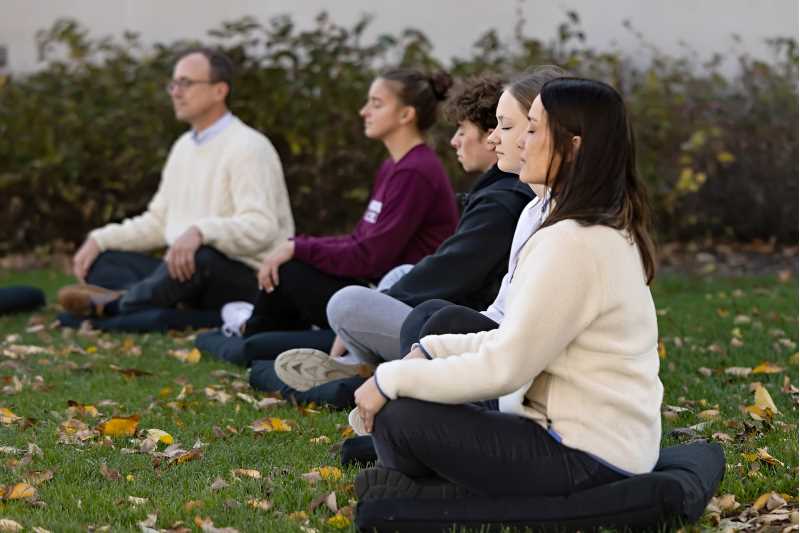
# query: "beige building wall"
452,25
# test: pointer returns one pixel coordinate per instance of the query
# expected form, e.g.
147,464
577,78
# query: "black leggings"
437,317
298,302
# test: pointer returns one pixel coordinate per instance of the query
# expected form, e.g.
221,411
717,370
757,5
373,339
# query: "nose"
521,140
493,138
363,111
454,141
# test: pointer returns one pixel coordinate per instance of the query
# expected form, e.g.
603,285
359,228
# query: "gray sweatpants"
368,321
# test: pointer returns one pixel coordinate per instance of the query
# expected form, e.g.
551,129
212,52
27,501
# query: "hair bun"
440,83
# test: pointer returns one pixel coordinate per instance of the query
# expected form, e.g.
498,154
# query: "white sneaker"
234,316
356,422
306,368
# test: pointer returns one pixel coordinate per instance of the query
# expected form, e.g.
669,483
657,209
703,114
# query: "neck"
208,118
400,142
539,189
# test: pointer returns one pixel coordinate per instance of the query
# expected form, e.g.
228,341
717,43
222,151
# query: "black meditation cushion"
149,320
677,491
17,299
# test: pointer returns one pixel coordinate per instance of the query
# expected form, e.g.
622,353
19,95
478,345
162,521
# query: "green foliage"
82,141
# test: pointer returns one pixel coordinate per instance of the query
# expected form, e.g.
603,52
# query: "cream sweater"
231,188
580,322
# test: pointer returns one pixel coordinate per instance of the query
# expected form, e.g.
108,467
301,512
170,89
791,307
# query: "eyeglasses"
184,83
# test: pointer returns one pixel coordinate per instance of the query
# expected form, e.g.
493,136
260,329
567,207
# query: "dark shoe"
358,451
379,483
86,300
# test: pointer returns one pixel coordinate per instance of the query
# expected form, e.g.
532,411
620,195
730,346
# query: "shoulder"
508,192
248,139
572,239
423,162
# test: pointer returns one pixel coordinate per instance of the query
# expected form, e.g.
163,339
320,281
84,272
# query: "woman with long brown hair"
580,325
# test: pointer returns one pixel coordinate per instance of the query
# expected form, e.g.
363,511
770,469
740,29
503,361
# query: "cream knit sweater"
231,188
580,322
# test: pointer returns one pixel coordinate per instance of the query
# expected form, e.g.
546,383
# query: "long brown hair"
599,183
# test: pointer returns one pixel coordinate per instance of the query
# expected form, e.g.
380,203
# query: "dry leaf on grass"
109,473
191,455
761,454
767,368
263,505
338,521
269,424
206,525
192,356
119,426
9,526
148,524
19,491
217,395
708,414
136,501
763,408
80,409
329,499
322,439
247,472
722,437
266,403
160,436
7,417
192,504
37,477
130,372
218,484
738,371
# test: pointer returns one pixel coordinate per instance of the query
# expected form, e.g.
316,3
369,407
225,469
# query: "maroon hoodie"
411,211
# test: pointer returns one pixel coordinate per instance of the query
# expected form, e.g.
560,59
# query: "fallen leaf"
322,439
312,477
330,473
119,426
79,409
722,437
160,436
109,473
255,474
20,491
738,371
7,417
218,395
298,516
191,357
662,349
338,521
37,477
266,403
130,372
763,408
768,368
218,484
191,455
207,526
148,524
263,505
788,388
9,526
268,424
192,504
707,372
708,414
136,501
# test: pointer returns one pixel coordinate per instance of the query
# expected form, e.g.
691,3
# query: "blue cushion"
676,492
149,320
17,299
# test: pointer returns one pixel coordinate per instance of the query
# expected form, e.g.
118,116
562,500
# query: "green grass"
694,314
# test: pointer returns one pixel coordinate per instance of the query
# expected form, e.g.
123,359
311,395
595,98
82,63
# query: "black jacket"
468,267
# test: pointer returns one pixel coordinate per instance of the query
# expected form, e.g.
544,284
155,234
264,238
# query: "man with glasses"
221,206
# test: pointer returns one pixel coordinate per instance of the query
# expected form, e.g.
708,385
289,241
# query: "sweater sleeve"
373,249
140,233
558,296
481,242
256,187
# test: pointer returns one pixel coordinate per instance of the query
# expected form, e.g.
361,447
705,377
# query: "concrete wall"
704,25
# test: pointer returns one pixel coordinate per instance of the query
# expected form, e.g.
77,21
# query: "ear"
408,115
576,146
222,91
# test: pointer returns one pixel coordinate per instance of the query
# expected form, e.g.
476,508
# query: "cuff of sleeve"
383,374
381,390
422,349
302,249
206,230
96,236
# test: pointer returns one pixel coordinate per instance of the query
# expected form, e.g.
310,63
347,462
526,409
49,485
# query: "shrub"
83,141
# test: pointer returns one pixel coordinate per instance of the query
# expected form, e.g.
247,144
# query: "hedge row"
82,141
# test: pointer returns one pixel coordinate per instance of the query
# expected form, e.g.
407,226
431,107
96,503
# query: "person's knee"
411,330
442,321
346,303
397,415
206,257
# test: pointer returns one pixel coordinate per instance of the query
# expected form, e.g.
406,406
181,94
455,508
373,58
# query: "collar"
213,130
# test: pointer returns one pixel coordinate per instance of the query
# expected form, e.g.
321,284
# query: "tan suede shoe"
86,300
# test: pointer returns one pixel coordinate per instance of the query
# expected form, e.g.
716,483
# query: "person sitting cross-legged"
221,207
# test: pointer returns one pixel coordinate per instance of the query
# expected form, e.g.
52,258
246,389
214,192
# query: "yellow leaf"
725,157
20,491
194,356
322,439
708,414
9,526
91,349
248,472
662,349
80,409
191,455
191,357
763,399
767,368
298,516
761,501
7,417
122,426
338,521
330,473
264,505
268,424
765,457
160,436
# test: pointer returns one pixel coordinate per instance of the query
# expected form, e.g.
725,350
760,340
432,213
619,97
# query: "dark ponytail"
420,91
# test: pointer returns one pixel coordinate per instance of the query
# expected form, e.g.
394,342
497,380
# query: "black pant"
488,452
437,317
298,302
216,281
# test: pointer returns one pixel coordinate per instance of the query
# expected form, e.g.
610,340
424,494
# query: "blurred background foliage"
82,141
